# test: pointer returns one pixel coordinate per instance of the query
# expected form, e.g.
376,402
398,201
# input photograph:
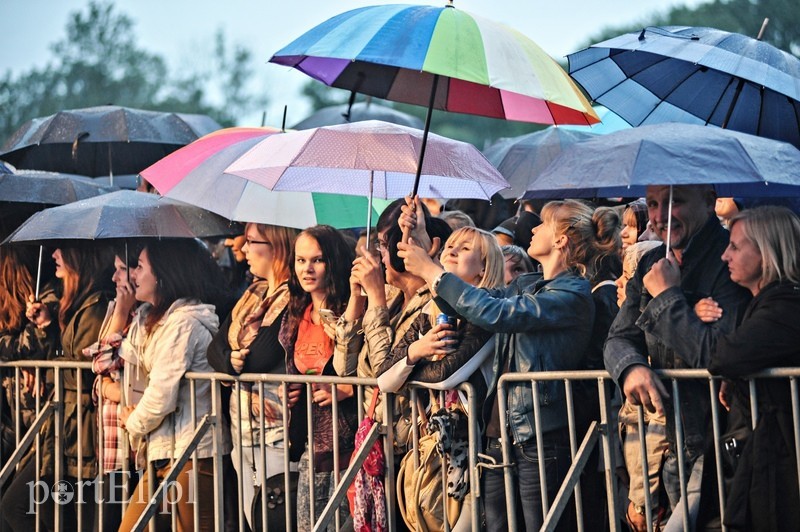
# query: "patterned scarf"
255,310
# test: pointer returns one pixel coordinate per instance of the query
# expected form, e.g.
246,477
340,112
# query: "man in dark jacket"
656,328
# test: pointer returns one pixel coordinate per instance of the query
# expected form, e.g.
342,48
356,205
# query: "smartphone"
328,316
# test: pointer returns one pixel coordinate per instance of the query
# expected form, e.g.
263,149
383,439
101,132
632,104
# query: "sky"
181,30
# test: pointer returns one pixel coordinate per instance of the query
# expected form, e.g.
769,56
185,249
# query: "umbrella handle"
38,274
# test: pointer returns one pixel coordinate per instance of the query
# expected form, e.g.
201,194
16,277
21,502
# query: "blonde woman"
438,352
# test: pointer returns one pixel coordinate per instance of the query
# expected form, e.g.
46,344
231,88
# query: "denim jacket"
665,333
542,325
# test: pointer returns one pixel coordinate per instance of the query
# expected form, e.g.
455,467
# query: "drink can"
444,318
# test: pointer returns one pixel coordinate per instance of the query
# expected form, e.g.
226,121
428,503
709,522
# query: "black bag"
274,489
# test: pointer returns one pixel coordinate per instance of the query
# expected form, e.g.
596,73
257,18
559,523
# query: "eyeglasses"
251,242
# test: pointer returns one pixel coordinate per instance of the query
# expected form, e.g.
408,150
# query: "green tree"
738,16
98,62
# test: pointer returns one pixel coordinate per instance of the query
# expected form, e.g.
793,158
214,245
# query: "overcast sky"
180,29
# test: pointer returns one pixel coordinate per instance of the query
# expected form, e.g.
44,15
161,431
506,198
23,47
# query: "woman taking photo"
83,272
176,282
544,324
320,281
247,342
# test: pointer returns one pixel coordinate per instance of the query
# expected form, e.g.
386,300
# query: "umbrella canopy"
369,159
102,140
48,188
626,162
358,112
521,159
394,52
196,175
694,75
122,214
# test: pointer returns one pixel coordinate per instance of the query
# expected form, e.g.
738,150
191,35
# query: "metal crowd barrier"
602,434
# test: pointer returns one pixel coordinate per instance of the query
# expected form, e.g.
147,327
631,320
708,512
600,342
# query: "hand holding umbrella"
38,313
664,274
418,262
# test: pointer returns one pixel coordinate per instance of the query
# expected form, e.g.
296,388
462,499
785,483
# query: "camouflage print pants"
324,486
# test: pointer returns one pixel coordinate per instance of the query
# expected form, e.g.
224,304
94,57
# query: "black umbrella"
102,140
358,112
48,188
122,214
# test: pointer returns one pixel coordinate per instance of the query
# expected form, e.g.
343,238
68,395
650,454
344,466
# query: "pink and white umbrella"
371,158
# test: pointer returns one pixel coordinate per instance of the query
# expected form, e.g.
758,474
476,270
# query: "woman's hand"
724,395
321,393
125,299
417,261
664,274
238,359
124,414
293,395
368,274
437,343
708,310
330,329
37,313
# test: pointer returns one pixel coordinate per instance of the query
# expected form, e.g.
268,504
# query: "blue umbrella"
521,159
626,162
694,75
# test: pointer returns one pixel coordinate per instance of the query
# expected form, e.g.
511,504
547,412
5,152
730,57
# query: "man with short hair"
657,328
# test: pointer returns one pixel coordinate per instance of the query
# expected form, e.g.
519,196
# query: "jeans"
526,470
324,486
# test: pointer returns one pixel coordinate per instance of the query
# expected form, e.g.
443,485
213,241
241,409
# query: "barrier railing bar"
350,474
715,425
572,479
26,442
573,444
676,404
648,503
152,505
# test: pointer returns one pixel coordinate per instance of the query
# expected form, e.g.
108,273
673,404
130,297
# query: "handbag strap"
375,394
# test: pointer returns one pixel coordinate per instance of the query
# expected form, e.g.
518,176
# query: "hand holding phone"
327,316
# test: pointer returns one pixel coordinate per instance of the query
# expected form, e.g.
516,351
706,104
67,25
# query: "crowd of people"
658,283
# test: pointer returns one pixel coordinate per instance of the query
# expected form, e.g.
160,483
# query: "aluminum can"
444,318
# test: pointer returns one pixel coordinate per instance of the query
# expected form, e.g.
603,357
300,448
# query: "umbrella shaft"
425,134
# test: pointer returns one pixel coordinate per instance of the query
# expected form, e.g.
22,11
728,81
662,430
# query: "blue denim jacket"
541,325
665,333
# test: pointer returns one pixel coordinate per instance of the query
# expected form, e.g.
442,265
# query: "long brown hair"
184,269
16,285
338,256
87,269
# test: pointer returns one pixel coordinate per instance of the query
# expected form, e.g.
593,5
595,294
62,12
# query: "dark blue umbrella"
624,163
694,75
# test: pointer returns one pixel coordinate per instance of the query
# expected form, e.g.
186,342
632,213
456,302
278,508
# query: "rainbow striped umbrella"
440,57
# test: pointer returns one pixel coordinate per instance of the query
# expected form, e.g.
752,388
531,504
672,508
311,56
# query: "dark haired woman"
177,283
81,309
320,280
